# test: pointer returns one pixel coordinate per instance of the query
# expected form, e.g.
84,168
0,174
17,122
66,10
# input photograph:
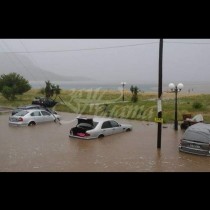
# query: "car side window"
106,124
36,113
114,123
44,113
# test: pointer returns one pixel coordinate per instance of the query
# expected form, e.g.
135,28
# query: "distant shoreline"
165,95
199,88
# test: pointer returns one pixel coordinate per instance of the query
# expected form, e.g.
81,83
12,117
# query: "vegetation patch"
109,104
197,105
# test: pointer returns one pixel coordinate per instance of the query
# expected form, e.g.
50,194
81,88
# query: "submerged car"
32,117
91,128
191,121
196,140
18,109
46,102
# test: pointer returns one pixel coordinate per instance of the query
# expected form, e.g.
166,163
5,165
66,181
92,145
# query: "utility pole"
160,93
175,116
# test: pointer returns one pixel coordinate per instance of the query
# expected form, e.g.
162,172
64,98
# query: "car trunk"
14,119
194,147
83,125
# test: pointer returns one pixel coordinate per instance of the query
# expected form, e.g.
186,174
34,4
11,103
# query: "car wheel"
31,123
101,136
128,130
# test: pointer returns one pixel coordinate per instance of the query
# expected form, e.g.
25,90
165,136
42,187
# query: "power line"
30,55
13,56
20,61
85,49
10,56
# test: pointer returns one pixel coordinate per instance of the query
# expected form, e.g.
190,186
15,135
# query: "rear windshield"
32,107
22,113
95,124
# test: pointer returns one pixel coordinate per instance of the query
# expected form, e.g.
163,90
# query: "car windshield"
17,110
95,124
28,107
22,113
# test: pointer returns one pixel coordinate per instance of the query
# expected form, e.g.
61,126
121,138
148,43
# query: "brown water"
47,148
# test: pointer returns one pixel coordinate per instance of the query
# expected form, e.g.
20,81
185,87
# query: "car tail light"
20,119
87,134
83,134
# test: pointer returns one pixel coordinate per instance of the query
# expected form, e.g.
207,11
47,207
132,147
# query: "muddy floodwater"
48,148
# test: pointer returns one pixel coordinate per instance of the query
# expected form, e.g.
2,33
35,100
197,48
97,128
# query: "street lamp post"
123,86
176,88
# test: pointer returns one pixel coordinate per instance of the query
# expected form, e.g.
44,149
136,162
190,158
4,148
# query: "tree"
13,84
134,90
51,89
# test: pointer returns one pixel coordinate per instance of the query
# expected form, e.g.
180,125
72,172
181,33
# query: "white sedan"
90,128
32,117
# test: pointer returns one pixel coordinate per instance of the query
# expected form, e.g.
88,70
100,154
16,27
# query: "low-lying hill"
24,66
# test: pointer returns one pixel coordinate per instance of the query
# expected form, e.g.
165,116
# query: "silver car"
90,128
18,109
32,117
196,140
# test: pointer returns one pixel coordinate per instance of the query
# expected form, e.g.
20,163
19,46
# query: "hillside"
25,67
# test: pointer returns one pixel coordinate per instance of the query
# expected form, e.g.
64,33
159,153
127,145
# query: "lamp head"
171,86
180,86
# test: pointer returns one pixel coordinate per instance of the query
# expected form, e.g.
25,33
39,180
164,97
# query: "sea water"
194,87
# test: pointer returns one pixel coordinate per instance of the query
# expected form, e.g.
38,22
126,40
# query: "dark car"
18,109
196,140
46,102
188,121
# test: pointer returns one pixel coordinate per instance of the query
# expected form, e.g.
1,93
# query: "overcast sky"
183,60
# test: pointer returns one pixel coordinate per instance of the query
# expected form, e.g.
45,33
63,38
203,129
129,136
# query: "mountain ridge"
25,67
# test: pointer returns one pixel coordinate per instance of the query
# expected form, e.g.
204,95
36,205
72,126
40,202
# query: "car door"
47,117
107,128
36,116
116,127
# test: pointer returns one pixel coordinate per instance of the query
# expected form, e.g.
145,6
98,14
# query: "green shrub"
197,105
13,84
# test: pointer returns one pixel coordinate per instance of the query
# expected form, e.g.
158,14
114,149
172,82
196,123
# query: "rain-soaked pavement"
48,148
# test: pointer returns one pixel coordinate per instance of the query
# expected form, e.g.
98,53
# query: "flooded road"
48,148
